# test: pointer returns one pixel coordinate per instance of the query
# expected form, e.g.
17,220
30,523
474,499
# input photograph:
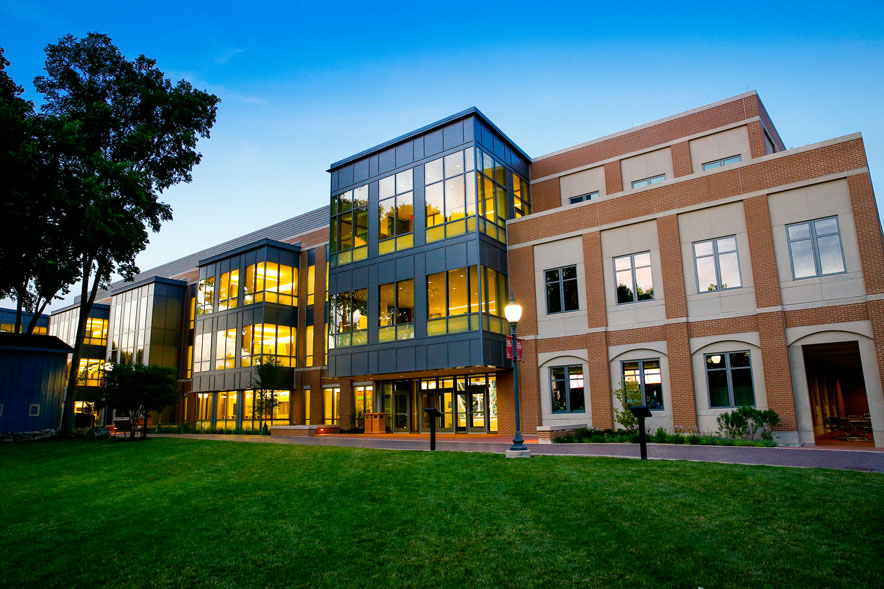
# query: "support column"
601,402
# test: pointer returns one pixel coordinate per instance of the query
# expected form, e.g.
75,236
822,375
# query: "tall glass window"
364,396
349,226
396,312
308,346
815,248
717,264
561,290
271,282
649,378
205,295
228,290
491,191
202,352
348,318
567,389
270,341
729,376
633,278
450,195
396,212
331,405
521,197
225,349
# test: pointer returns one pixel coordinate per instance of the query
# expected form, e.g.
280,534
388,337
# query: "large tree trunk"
87,297
38,310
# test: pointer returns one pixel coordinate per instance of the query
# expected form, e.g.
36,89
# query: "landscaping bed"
661,436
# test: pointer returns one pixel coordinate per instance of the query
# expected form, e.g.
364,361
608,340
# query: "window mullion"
730,382
561,291
816,249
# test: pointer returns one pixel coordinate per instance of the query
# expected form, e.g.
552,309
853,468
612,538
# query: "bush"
745,422
629,395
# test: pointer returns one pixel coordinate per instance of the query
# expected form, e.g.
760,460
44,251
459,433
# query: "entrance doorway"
837,391
401,410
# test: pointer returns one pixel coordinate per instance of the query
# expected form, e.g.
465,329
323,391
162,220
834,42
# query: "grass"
173,512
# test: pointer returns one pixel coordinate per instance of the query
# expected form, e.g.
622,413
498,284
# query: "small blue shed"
33,377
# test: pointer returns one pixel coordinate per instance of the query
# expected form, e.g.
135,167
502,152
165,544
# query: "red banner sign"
509,348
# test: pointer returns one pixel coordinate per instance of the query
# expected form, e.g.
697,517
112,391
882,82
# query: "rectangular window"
717,264
521,197
815,248
632,274
271,282
648,376
450,195
396,212
202,349
192,311
91,372
228,290
491,194
364,396
561,290
205,296
583,197
34,411
331,405
348,318
308,346
307,406
567,389
189,364
225,349
311,284
268,340
396,311
729,376
349,226
725,161
453,301
648,181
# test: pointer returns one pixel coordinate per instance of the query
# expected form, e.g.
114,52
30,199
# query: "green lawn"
172,512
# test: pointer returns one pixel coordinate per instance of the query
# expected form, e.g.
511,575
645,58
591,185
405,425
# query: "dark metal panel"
418,148
405,359
435,260
345,177
373,362
359,363
359,278
420,357
373,166
456,256
342,366
360,170
405,268
404,154
469,128
433,143
453,135
335,183
437,355
472,252
386,160
458,354
386,361
386,271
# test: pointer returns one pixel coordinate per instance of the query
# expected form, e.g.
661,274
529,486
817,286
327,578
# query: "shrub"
744,422
629,395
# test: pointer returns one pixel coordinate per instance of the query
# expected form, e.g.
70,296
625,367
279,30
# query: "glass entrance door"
478,400
443,401
401,411
462,413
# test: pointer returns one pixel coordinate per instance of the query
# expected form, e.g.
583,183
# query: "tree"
137,389
129,135
35,264
629,394
267,379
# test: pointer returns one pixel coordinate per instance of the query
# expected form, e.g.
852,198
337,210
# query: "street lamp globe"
512,311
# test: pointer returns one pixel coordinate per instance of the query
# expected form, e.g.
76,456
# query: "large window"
96,332
308,346
648,181
364,396
725,161
450,195
730,379
225,409
453,301
396,313
815,247
567,389
491,191
228,290
649,378
717,264
205,295
349,226
331,405
311,277
561,290
521,197
202,352
633,278
225,349
252,405
91,372
396,212
348,318
271,282
270,341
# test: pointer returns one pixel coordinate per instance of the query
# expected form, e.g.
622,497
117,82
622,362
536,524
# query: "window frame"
561,282
649,181
583,197
715,256
817,264
728,371
567,380
641,374
632,269
722,162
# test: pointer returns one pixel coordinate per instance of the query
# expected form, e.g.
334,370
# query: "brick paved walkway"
866,460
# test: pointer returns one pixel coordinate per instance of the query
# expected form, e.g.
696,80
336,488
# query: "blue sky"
304,84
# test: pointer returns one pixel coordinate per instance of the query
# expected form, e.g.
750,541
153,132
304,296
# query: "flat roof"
440,123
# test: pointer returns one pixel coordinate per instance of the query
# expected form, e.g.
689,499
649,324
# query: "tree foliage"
629,394
124,134
268,378
136,389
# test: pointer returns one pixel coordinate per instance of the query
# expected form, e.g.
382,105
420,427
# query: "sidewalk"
864,460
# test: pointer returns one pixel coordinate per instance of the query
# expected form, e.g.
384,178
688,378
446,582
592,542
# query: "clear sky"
304,84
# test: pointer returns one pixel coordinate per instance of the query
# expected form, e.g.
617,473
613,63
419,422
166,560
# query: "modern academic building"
695,256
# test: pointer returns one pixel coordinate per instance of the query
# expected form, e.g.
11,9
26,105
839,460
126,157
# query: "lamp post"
513,312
